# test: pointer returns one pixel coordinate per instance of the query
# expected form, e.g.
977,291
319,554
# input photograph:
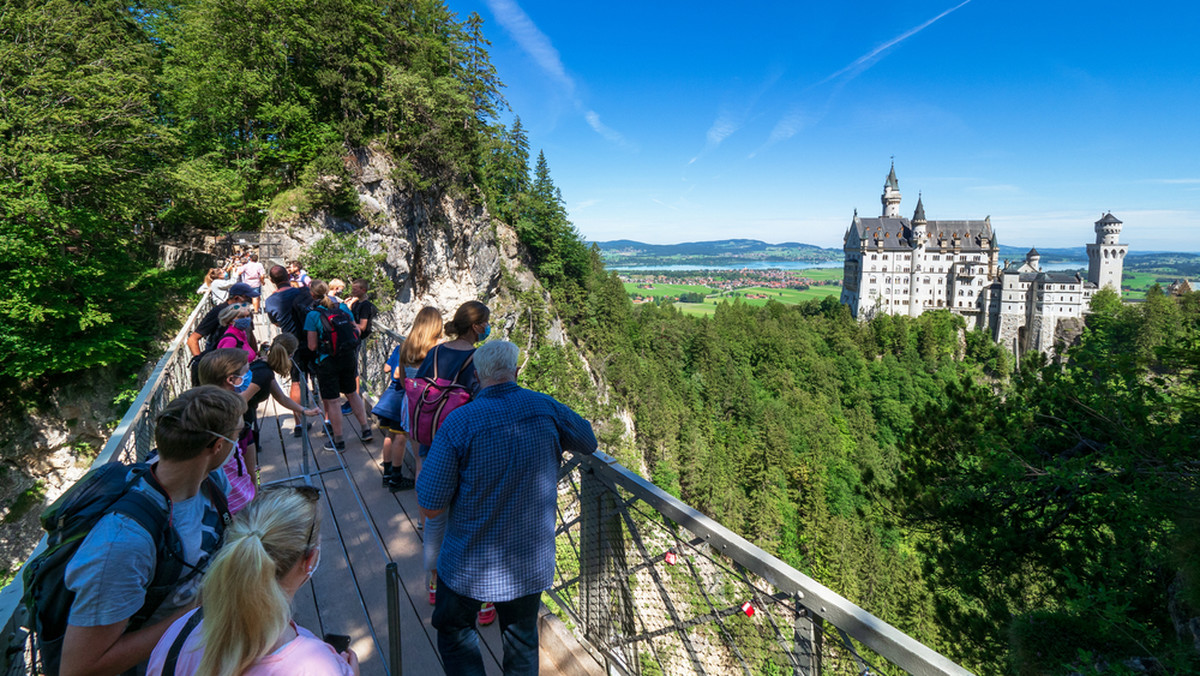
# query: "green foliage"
30,498
339,255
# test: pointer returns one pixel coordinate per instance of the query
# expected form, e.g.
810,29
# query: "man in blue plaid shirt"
494,464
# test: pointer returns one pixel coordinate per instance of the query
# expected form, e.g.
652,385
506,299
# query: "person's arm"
107,650
285,401
312,340
439,471
362,324
575,433
193,343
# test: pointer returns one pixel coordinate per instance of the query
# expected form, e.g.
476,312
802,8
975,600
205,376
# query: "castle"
898,266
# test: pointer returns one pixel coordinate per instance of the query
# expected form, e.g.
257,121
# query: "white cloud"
538,46
1173,181
872,57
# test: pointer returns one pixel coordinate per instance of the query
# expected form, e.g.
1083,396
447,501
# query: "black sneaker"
346,409
366,436
298,430
400,483
331,446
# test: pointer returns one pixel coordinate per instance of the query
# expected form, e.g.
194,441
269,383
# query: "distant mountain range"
734,252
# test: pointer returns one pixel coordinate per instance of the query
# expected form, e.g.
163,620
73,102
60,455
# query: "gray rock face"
440,250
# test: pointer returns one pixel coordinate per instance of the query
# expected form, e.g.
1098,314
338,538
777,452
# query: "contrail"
864,61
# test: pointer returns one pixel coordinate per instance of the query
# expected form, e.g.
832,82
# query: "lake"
794,265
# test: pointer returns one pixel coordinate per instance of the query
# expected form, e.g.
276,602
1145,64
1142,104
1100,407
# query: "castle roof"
1108,218
1033,252
896,233
891,179
919,214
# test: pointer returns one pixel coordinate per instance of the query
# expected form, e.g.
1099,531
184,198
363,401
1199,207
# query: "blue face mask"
244,323
244,385
487,331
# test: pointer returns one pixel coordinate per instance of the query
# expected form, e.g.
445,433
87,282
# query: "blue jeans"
458,642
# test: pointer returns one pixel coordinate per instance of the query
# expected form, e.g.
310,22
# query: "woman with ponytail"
244,624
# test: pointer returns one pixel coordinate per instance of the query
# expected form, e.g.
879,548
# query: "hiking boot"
330,445
487,614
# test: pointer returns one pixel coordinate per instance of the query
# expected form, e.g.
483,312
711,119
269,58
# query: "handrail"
620,484
131,440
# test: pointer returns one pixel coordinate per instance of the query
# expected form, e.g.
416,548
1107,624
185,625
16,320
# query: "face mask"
232,445
244,323
487,331
244,384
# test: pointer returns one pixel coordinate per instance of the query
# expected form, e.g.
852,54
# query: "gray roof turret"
919,214
891,179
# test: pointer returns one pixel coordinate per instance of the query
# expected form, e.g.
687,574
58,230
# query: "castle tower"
891,195
918,223
1033,259
1106,258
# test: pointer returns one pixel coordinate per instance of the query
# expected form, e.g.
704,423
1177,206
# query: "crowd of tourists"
184,564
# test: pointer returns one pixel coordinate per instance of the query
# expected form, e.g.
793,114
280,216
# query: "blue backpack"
104,489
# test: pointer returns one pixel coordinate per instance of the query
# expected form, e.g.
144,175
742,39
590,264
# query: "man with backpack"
287,308
332,335
128,544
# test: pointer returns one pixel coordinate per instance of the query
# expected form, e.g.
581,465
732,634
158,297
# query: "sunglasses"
171,415
312,494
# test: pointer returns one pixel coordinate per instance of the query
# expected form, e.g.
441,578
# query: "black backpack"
339,334
102,490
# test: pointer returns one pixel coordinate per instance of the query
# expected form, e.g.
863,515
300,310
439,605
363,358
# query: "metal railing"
655,587
131,441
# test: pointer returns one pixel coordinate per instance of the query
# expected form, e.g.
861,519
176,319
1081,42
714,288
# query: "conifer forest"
1030,516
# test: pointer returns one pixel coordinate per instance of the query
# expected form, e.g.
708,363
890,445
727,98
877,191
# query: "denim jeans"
458,642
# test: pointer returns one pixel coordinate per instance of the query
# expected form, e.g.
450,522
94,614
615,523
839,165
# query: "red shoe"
487,614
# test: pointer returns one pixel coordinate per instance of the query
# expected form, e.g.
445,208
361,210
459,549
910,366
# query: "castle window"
873,280
937,258
872,256
926,280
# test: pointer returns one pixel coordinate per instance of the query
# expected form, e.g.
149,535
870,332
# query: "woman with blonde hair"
217,282
406,357
244,625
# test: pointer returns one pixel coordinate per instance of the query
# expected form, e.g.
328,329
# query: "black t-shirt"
365,309
261,375
287,309
210,327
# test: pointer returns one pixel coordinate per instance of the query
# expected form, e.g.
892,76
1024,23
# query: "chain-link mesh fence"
655,598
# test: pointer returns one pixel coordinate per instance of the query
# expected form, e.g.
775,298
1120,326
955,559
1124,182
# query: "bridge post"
808,641
602,566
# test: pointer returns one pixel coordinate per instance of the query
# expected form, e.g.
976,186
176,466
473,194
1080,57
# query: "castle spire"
891,195
919,214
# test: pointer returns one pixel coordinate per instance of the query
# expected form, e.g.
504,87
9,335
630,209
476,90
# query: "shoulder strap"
435,361
464,366
177,646
219,500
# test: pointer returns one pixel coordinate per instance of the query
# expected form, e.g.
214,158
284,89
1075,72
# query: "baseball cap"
244,290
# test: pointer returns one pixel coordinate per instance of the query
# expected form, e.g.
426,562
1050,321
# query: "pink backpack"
430,400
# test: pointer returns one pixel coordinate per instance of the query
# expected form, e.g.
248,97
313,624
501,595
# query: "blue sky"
671,121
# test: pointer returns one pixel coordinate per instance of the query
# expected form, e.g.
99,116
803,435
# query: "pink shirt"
252,273
228,340
305,655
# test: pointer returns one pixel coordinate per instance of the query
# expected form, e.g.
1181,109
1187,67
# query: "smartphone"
340,642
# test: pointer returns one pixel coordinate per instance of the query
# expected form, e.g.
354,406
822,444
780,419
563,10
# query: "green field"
1140,282
672,290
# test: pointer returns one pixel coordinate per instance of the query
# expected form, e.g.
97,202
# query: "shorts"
336,374
391,426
